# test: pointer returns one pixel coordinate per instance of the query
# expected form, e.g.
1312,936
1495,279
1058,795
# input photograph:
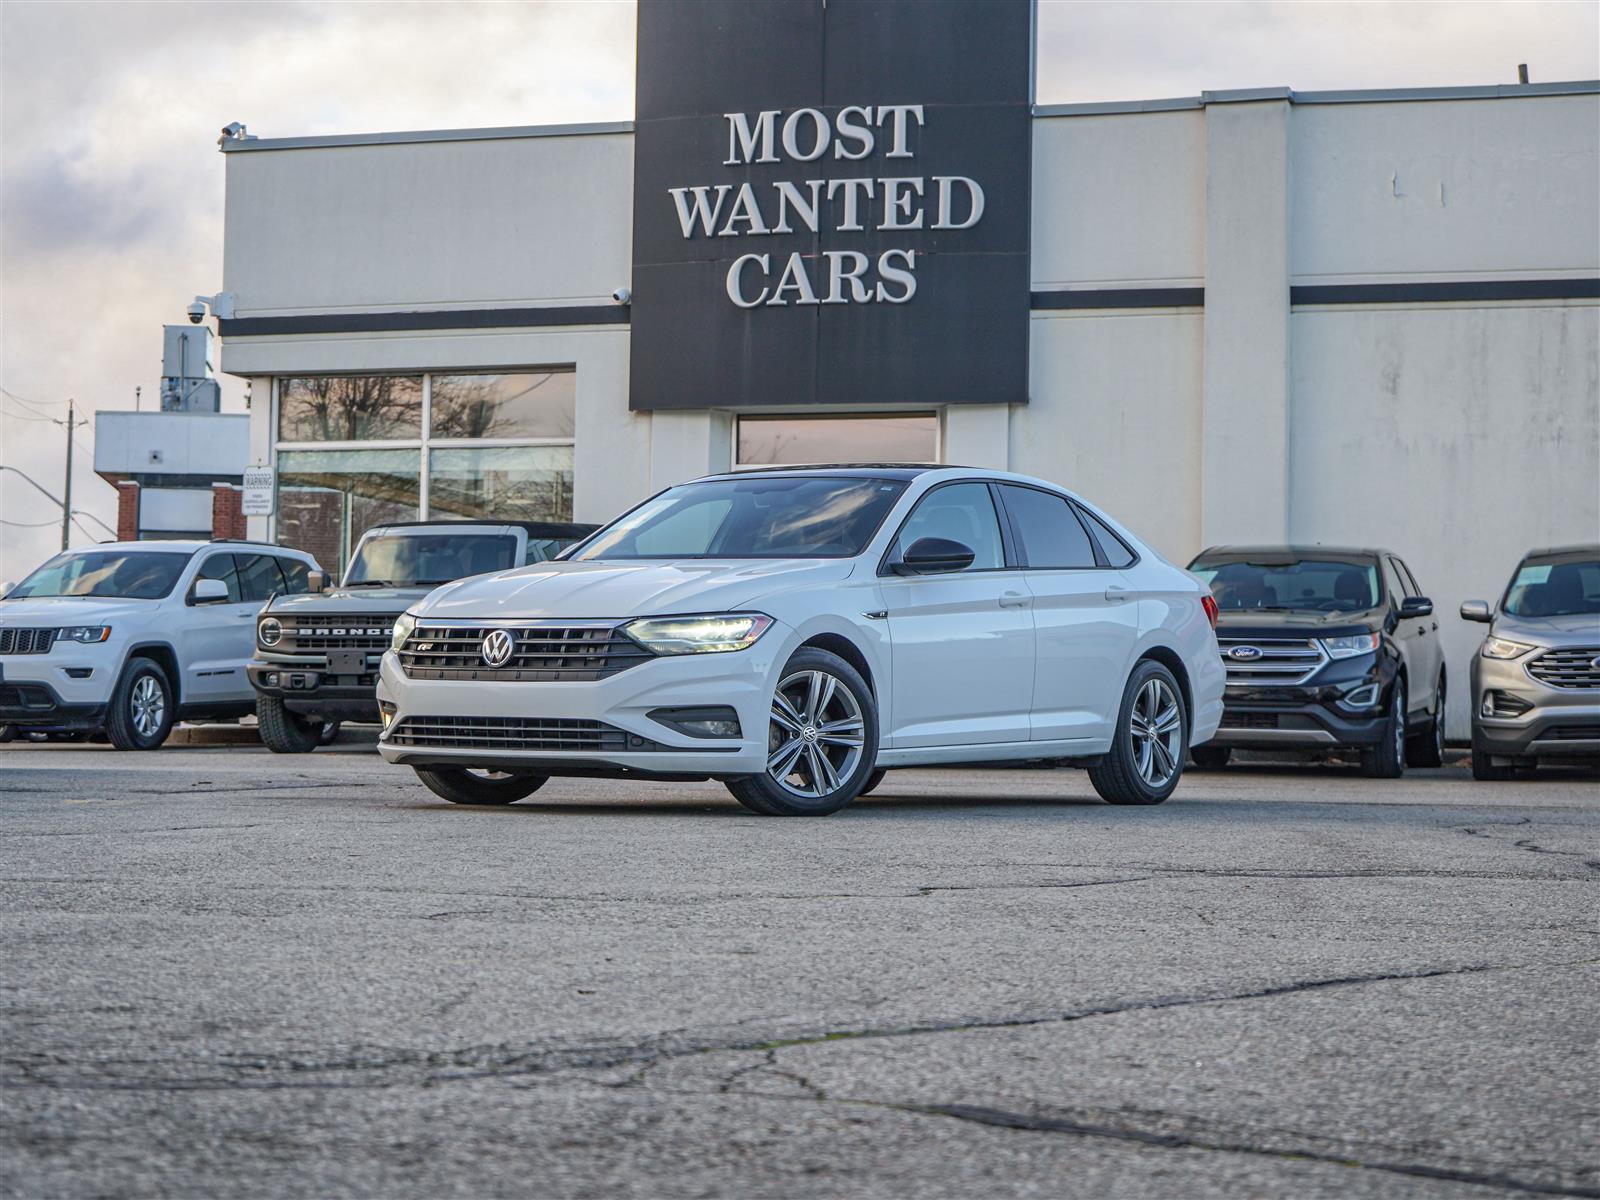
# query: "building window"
356,451
869,437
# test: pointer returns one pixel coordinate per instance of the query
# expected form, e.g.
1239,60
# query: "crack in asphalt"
1527,844
368,1067
1003,1119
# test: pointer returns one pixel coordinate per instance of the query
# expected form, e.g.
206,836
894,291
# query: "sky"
111,186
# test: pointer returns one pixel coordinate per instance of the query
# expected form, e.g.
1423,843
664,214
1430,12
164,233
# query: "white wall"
181,510
188,443
1458,436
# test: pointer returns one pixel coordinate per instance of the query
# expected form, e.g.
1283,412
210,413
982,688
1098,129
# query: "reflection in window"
877,438
512,483
328,498
349,408
541,405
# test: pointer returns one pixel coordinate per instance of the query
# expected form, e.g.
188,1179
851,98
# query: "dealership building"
1365,317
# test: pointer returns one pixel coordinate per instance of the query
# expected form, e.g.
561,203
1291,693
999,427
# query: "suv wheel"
468,785
1427,749
329,733
1211,758
1387,759
142,710
285,732
1486,770
1148,750
822,740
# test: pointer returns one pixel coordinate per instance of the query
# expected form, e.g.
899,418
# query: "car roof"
532,528
1286,549
183,545
1553,551
860,470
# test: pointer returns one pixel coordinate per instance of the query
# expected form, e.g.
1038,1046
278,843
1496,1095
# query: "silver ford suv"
1536,678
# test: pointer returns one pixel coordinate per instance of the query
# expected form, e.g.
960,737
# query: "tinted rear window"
1051,536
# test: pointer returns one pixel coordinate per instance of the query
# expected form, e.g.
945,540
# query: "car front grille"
357,631
26,641
566,735
1571,733
34,696
1572,668
1233,719
1278,662
541,653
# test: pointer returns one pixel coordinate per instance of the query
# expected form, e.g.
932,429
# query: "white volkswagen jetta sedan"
796,632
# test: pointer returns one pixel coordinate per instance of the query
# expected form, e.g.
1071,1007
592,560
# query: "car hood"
350,600
1269,623
71,610
615,590
1580,629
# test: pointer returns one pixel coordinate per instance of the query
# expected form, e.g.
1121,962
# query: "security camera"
622,296
197,313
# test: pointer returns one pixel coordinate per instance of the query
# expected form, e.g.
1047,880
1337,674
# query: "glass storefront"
870,437
356,451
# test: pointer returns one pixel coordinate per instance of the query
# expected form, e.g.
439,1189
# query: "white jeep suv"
794,632
128,637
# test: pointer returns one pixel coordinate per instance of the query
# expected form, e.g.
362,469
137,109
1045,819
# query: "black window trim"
1083,508
1407,578
201,559
891,553
1100,561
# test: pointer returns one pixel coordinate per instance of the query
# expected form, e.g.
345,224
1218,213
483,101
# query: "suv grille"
1573,668
564,734
1281,662
542,653
357,631
26,641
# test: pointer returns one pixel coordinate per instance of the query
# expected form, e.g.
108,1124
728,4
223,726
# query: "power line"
15,416
26,524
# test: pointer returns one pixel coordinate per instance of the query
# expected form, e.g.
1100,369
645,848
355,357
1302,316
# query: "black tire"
1485,769
1118,776
1427,748
329,733
873,781
285,732
1211,758
1387,759
7,732
765,795
463,785
145,683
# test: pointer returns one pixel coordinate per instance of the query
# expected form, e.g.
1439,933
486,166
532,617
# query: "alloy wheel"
148,703
816,735
1156,727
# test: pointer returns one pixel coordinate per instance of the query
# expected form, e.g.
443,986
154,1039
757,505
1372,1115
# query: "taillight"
1209,602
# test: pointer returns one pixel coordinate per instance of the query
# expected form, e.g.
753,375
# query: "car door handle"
1117,594
1014,600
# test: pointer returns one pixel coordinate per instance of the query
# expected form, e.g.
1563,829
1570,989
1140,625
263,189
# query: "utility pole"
66,506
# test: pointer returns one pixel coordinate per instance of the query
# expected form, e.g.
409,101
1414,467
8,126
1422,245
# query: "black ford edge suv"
1325,649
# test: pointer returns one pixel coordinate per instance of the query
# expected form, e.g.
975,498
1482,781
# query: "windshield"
1320,585
766,516
125,574
1552,588
417,559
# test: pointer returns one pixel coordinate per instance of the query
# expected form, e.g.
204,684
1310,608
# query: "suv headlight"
84,634
270,631
698,635
1349,647
403,626
1495,647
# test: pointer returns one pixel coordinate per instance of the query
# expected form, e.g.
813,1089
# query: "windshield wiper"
372,583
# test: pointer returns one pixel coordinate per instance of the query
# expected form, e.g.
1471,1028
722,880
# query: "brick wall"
127,511
227,519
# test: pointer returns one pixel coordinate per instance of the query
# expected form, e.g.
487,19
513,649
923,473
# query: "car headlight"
270,631
1349,647
84,634
1504,648
698,635
402,630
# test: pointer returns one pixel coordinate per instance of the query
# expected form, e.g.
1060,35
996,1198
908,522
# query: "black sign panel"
831,203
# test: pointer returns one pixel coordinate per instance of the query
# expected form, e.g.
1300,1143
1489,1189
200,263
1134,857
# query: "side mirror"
210,591
317,581
1415,606
1477,610
934,556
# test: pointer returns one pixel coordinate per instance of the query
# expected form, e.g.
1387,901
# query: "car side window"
1392,580
1412,587
1116,551
1050,535
960,512
220,566
296,576
259,576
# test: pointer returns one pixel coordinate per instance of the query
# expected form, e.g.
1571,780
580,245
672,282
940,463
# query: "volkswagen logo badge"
1595,662
1245,653
497,647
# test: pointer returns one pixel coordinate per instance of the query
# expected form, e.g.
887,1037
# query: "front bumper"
1559,722
629,740
306,686
1310,716
66,688
35,705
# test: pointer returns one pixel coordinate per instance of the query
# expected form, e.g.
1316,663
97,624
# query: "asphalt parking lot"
233,974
